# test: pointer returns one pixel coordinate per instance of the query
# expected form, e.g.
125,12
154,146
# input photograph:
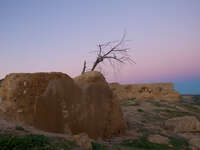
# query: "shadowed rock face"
54,102
164,91
23,90
1,82
96,90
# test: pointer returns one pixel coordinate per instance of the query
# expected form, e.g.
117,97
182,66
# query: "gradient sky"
52,35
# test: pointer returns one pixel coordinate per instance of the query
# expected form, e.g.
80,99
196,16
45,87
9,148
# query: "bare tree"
115,51
84,67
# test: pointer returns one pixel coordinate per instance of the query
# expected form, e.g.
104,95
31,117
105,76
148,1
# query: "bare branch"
114,52
84,68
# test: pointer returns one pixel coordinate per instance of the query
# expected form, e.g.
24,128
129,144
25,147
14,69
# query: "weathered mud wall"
54,102
164,91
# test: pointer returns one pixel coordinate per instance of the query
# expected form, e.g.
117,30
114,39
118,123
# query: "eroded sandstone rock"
96,90
54,102
22,91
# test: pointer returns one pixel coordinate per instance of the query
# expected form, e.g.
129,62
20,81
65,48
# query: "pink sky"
41,36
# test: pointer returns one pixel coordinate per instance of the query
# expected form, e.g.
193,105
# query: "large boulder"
184,124
54,102
164,91
23,90
96,91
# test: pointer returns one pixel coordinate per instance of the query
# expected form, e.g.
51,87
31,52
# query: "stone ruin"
154,91
54,102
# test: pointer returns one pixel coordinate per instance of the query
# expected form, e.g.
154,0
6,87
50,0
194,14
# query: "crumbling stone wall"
163,91
54,102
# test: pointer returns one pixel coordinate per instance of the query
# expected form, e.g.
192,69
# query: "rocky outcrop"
96,92
184,124
22,91
163,91
54,102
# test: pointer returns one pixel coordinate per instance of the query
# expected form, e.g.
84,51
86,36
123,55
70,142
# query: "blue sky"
50,35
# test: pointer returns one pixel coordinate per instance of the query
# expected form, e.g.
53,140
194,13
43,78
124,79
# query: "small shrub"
31,142
130,102
144,144
192,108
19,128
173,113
11,142
179,143
144,131
140,110
131,99
97,146
158,104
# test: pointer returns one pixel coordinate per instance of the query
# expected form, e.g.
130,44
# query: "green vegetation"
179,144
144,131
131,99
133,104
19,128
192,108
130,102
159,104
172,113
143,144
33,142
140,110
148,116
97,146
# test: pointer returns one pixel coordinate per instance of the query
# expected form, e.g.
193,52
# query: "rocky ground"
169,125
154,125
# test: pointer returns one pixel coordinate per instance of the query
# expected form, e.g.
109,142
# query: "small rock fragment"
158,139
83,141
